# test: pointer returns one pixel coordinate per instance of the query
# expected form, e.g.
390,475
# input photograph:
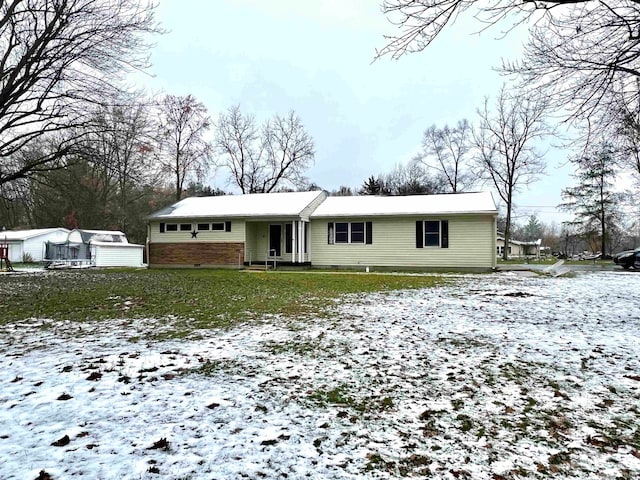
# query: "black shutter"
162,228
419,234
227,226
368,235
330,233
444,234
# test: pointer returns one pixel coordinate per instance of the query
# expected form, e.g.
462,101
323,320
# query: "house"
518,249
98,248
308,228
29,245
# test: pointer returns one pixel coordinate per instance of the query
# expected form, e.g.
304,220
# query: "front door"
275,240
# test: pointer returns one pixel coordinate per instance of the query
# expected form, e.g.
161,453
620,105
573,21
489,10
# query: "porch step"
256,267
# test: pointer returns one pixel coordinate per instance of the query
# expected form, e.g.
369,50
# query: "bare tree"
55,57
411,179
505,152
183,149
120,144
261,160
578,50
446,150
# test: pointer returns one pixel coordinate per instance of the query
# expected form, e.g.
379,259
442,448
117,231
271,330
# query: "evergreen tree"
593,200
372,186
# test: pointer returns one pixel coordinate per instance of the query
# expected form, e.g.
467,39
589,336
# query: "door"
275,240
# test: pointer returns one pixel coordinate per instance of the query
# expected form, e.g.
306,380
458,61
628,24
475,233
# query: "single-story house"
518,249
98,248
29,245
445,231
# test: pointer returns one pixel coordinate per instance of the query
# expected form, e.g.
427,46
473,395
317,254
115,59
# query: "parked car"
628,259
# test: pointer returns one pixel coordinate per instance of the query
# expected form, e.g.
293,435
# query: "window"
357,232
185,227
202,227
342,232
288,237
171,227
350,232
432,234
218,226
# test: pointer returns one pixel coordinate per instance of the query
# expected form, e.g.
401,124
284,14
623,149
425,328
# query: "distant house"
98,248
451,231
519,249
29,245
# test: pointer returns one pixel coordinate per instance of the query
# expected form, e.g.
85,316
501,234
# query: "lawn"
193,299
482,377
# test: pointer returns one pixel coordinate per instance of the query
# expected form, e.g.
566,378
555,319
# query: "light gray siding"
471,244
237,233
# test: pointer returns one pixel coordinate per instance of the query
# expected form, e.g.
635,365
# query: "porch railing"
270,253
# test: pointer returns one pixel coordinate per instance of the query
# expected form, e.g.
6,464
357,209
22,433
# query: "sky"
317,58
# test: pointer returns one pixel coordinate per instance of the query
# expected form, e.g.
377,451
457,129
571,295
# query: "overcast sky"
316,57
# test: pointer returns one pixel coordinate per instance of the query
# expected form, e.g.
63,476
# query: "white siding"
471,244
35,248
117,255
15,251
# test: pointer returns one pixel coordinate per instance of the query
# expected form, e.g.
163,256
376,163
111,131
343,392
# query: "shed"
98,248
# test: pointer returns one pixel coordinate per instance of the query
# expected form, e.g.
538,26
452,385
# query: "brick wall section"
170,254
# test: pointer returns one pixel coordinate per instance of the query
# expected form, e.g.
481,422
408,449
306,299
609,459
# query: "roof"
280,204
367,205
26,234
99,235
520,242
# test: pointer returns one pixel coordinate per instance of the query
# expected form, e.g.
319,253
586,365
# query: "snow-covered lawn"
492,377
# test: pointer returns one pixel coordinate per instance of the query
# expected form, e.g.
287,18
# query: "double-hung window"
350,232
432,234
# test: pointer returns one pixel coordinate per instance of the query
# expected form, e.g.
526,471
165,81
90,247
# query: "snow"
369,205
249,205
9,235
489,377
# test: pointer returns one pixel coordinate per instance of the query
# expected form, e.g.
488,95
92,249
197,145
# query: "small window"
342,232
185,227
218,226
357,232
171,227
431,233
203,227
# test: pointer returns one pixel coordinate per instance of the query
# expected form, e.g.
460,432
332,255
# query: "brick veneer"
175,254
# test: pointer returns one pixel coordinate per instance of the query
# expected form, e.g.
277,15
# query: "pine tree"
593,200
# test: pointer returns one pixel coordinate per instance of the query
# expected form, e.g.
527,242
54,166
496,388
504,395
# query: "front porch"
277,242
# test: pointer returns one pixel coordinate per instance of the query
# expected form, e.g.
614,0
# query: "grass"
194,299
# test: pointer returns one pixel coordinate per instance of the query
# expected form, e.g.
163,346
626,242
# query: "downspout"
148,248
